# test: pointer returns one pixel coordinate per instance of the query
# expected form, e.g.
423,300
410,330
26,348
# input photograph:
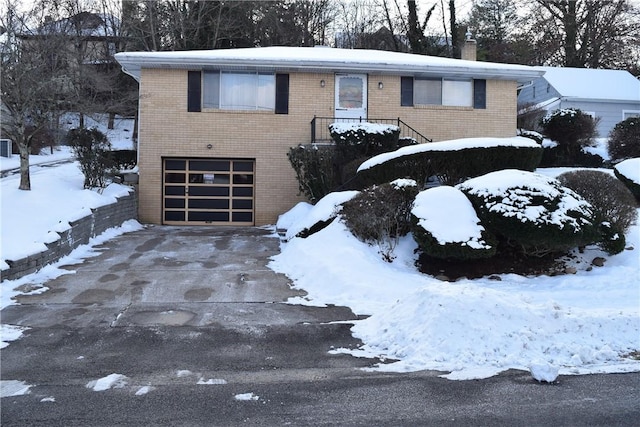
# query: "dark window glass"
208,203
173,177
194,91
208,191
242,217
406,91
243,191
174,203
242,204
174,190
209,216
178,165
209,165
243,166
174,215
242,179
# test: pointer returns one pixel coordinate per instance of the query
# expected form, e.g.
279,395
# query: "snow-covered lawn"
573,324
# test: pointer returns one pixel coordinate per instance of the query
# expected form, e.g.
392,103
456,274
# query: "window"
239,91
626,114
441,91
223,90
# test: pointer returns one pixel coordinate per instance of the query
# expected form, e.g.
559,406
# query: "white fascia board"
133,62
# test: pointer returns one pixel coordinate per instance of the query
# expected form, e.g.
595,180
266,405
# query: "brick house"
215,126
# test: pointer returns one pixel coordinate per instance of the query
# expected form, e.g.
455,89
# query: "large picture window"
443,91
239,91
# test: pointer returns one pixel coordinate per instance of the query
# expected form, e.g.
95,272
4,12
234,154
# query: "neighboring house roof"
593,84
83,24
324,59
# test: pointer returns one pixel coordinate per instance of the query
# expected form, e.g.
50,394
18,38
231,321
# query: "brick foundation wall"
80,232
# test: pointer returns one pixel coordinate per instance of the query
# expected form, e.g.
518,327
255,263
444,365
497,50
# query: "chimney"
469,49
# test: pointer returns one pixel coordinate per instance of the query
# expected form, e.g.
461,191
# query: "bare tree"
584,33
32,78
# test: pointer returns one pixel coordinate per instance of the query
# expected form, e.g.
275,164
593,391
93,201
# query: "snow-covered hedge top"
371,128
321,211
452,145
513,193
630,169
437,209
403,182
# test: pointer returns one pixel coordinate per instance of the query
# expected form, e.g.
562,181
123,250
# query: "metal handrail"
320,128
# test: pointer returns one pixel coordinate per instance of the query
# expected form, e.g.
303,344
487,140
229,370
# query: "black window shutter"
480,94
406,91
282,93
194,91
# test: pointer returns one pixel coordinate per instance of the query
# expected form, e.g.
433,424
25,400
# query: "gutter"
132,64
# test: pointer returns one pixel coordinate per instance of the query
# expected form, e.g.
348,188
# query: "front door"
351,96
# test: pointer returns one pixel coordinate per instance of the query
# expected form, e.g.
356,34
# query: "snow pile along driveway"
584,323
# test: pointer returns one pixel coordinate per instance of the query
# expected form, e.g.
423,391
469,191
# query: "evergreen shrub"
557,156
446,226
93,151
363,139
315,168
631,182
614,205
624,140
571,129
453,167
381,214
531,212
124,159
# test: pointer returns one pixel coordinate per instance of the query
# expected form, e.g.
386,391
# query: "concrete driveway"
187,326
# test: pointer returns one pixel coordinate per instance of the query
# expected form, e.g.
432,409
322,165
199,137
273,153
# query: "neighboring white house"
611,95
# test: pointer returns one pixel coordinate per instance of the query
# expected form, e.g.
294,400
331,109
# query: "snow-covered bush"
381,214
555,156
531,134
319,216
93,151
446,226
452,161
624,140
315,168
358,139
571,129
614,205
531,212
628,172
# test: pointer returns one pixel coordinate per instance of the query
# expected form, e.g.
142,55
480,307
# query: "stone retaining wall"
83,229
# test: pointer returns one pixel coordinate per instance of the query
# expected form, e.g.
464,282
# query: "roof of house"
324,59
593,84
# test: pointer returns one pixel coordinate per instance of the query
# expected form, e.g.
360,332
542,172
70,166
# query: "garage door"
208,191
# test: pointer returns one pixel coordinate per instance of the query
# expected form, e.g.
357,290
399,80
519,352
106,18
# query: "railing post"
313,129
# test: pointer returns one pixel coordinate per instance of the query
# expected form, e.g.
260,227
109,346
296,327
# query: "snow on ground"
10,388
584,323
578,324
10,333
246,396
108,382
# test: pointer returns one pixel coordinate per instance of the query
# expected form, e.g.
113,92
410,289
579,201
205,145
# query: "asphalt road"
199,328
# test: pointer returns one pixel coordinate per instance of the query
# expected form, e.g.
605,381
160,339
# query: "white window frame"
239,91
630,113
453,92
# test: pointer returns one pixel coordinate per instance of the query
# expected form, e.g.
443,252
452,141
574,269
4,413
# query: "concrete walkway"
198,328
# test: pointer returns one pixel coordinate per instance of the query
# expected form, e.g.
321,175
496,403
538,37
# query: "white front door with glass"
351,96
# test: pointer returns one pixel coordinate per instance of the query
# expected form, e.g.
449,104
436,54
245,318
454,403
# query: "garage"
208,191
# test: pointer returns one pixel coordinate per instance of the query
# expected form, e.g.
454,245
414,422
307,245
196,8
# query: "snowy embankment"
582,323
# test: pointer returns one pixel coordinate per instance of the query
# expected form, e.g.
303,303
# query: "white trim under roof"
331,60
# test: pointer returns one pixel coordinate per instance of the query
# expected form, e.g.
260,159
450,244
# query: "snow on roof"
324,59
594,84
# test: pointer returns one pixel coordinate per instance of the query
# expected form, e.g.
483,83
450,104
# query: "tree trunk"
25,178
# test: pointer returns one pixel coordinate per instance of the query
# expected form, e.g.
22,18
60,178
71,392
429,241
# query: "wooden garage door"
208,192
